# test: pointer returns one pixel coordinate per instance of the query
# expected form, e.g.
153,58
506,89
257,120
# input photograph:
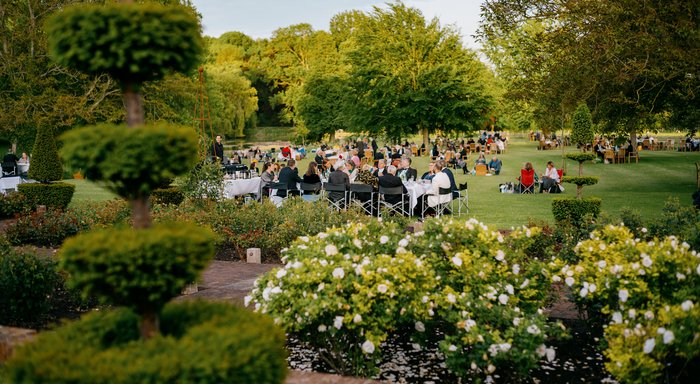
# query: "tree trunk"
633,140
579,191
580,168
140,212
134,106
426,138
149,324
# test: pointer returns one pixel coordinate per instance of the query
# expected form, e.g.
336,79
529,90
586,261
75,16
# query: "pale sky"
259,18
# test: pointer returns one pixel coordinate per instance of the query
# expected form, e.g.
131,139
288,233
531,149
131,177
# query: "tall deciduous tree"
409,75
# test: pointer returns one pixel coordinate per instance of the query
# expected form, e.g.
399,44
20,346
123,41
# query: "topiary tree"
46,165
581,180
575,210
582,130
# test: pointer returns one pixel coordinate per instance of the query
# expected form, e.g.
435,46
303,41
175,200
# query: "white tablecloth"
7,183
416,190
240,187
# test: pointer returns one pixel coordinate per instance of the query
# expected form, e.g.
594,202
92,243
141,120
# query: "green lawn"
644,186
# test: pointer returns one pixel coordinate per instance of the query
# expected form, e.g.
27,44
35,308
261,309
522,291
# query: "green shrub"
580,180
582,129
26,282
137,42
102,214
46,166
581,157
56,195
575,211
13,204
48,228
648,293
141,269
170,195
131,161
202,342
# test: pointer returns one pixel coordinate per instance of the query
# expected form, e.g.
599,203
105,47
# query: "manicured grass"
645,186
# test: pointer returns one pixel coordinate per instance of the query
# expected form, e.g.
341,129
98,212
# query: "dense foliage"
120,265
46,229
575,211
131,161
346,289
53,195
582,127
130,42
103,347
648,293
46,166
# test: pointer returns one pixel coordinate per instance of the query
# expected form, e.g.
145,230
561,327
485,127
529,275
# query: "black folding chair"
336,195
362,196
9,169
310,190
275,189
397,207
461,199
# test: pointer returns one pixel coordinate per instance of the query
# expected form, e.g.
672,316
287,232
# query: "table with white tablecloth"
239,187
9,183
416,190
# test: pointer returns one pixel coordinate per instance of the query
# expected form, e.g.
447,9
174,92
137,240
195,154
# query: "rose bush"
647,293
345,290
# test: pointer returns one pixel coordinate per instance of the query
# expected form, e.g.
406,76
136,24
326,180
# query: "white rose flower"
469,324
646,260
525,283
649,345
275,290
297,264
602,264
383,239
304,239
457,261
357,319
331,250
516,269
452,348
649,315
583,292
357,243
451,298
617,317
556,278
473,366
281,273
424,299
687,305
516,321
533,329
668,337
247,300
368,347
624,295
266,294
322,328
338,322
490,368
509,289
541,350
322,235
631,313
592,288
382,288
659,330
698,269
503,298
320,287
644,230
420,327
323,262
500,255
569,281
403,243
338,273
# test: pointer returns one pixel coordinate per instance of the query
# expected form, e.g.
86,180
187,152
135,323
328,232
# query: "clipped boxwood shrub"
56,195
26,282
575,210
202,342
47,229
46,166
142,269
131,161
137,42
12,204
170,195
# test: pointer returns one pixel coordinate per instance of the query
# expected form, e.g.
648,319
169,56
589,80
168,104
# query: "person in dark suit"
451,176
338,177
217,150
390,180
381,168
289,175
406,170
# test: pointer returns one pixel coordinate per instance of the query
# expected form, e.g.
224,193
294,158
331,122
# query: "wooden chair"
494,148
632,154
481,169
369,154
621,156
472,147
609,156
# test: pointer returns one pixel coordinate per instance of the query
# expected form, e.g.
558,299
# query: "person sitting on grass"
495,165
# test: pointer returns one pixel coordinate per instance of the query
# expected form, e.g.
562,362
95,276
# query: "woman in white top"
550,178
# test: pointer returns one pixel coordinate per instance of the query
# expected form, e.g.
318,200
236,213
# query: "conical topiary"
46,165
582,130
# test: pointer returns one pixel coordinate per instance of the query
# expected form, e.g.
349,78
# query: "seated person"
431,172
289,176
381,168
406,172
338,177
550,178
10,157
390,180
495,165
311,176
433,198
480,160
529,170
